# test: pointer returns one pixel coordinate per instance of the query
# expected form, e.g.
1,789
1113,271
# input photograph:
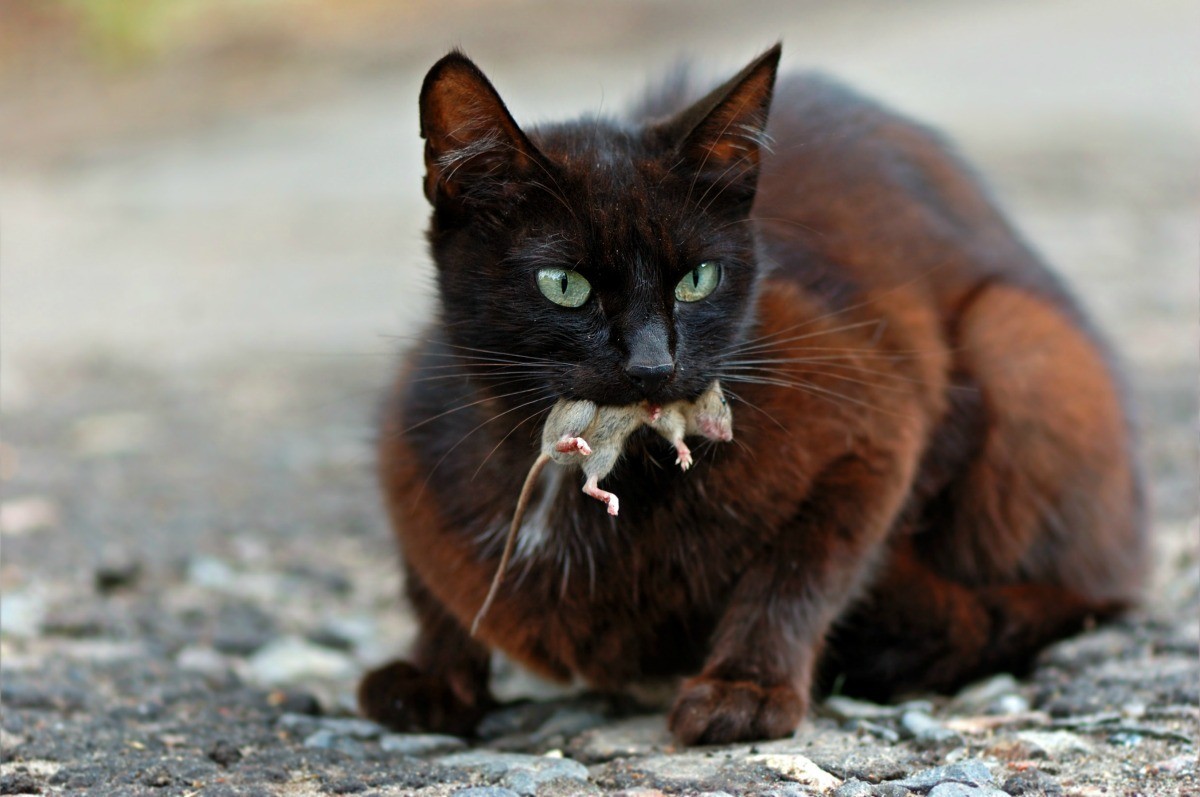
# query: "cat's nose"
649,378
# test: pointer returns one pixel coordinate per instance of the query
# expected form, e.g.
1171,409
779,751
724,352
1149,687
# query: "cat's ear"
722,134
470,137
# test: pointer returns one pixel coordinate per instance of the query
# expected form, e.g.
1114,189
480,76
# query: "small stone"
799,769
74,621
325,739
567,723
203,660
20,783
979,696
925,729
889,790
291,658
224,753
210,572
420,744
1014,750
25,515
295,702
521,773
964,790
21,614
846,708
352,728
1032,782
1008,705
345,633
972,771
1178,765
853,788
117,573
347,786
622,739
1055,744
485,791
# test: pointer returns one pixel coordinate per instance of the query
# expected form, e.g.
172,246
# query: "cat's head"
607,261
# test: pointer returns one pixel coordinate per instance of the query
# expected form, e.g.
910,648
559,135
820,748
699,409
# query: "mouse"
581,433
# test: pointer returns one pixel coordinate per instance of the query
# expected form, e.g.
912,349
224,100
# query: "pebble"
328,740
21,614
117,573
516,771
203,660
853,788
799,769
485,791
925,729
210,572
971,771
964,790
980,696
1055,744
25,515
419,744
567,722
20,783
354,728
224,753
622,739
1033,782
292,658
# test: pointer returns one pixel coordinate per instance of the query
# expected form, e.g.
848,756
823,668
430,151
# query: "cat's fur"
932,476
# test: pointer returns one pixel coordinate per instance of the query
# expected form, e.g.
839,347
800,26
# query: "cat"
933,474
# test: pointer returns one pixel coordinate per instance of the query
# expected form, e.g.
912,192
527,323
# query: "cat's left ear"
470,137
722,134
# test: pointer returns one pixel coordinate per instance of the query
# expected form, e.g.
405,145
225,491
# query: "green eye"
564,287
699,282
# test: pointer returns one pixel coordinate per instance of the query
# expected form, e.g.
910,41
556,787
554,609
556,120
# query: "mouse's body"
581,433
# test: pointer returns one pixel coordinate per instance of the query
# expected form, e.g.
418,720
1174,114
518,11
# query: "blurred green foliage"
122,32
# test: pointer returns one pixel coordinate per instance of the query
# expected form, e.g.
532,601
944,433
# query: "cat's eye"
563,286
699,282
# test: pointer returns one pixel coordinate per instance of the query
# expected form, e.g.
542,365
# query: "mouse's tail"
511,541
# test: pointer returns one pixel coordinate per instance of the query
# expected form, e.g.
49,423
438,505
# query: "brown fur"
946,485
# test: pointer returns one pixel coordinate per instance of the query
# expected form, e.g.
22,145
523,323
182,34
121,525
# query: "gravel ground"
195,564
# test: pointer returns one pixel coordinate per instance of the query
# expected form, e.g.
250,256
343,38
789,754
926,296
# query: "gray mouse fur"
579,432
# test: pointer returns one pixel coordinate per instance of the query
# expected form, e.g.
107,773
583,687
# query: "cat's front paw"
715,711
405,698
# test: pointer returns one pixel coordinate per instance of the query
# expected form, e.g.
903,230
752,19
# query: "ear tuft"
727,129
469,134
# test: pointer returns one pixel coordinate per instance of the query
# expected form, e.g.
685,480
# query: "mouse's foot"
683,456
573,445
614,503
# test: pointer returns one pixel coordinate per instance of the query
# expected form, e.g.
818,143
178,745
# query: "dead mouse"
593,437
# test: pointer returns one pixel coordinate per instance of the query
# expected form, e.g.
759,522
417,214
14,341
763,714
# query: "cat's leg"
444,689
919,630
756,680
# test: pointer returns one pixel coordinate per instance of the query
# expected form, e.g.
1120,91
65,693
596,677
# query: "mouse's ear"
721,135
471,139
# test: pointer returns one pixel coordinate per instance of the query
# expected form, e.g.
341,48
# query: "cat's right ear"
470,137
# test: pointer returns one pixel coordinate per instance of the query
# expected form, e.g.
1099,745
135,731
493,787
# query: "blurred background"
211,241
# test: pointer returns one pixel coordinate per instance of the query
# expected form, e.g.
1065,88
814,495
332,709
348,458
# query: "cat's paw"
404,698
715,711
